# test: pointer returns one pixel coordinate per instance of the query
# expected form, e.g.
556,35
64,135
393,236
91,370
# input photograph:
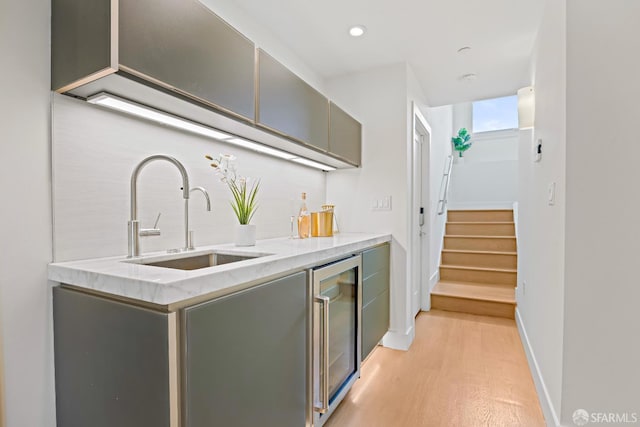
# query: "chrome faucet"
134,224
205,194
191,246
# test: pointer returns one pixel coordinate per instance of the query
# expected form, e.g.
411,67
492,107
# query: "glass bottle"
304,219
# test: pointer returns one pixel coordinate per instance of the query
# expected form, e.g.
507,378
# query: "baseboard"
453,206
550,415
399,340
434,279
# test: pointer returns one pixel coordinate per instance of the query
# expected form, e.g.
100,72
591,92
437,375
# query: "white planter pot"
459,160
245,235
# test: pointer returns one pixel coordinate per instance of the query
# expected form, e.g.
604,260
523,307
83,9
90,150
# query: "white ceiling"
424,33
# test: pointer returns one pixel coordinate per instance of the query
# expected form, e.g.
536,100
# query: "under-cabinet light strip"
309,163
260,148
124,105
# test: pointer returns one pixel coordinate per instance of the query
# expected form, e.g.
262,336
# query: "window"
495,114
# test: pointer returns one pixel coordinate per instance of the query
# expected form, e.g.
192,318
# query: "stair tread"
475,292
482,222
471,251
464,267
474,236
479,210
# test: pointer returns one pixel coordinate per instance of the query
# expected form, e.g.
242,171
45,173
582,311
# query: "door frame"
3,412
418,258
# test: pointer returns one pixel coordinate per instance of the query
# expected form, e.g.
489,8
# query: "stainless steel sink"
196,262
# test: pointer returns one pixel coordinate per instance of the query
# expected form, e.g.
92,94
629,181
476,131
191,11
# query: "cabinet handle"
324,378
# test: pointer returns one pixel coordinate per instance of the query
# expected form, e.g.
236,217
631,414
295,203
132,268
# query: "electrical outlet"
524,287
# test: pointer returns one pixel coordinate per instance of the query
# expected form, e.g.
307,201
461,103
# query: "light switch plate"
551,198
381,204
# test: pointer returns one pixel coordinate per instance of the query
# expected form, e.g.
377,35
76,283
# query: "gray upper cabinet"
345,136
181,49
81,40
185,46
246,357
178,45
290,106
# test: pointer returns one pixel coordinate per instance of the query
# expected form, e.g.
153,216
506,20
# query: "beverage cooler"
336,324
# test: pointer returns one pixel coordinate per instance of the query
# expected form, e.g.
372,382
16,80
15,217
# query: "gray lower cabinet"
178,45
246,357
111,363
375,297
244,360
289,105
345,136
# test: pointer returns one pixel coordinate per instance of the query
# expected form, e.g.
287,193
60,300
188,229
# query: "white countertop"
120,277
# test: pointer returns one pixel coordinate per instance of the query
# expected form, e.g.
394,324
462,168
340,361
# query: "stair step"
481,228
480,215
475,291
480,243
486,259
475,275
474,299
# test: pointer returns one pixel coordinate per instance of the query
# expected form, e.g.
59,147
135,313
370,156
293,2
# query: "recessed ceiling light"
469,77
464,49
357,30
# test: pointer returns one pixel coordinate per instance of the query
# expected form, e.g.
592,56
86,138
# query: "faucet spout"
134,224
205,194
190,245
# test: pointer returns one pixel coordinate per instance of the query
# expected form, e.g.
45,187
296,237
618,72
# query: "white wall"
488,175
493,146
462,117
94,152
601,347
541,227
25,217
378,99
441,121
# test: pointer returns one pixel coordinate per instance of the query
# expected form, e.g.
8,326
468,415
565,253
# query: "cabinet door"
111,363
375,297
288,105
246,357
80,40
375,322
345,135
184,45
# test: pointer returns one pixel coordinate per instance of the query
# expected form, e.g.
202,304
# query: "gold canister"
322,224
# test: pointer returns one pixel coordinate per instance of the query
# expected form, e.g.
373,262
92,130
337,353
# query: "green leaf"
244,201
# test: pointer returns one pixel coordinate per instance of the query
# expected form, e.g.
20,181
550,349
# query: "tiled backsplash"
94,152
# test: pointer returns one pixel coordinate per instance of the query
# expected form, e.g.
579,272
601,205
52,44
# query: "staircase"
478,272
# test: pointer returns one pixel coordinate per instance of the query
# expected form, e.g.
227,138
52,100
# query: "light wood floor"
462,370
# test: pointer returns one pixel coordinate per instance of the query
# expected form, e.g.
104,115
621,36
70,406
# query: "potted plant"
244,202
462,142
